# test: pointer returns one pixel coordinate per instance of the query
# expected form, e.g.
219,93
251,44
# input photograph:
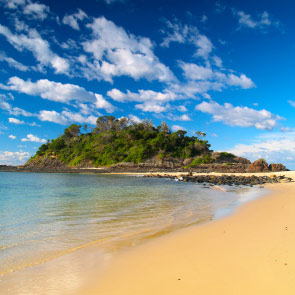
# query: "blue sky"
222,67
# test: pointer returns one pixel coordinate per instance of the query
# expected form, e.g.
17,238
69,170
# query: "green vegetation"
121,140
205,159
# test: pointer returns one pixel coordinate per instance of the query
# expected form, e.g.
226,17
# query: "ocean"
46,216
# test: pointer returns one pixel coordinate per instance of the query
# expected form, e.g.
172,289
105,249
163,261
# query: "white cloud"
13,158
102,103
239,116
273,147
15,121
66,117
117,53
204,46
243,81
187,35
72,19
28,8
52,116
50,90
40,48
36,10
177,127
15,111
150,101
292,103
33,138
13,4
141,96
4,105
134,118
152,106
213,80
12,136
195,72
217,61
184,118
246,20
182,108
55,91
13,63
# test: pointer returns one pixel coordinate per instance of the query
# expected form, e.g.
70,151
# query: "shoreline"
249,252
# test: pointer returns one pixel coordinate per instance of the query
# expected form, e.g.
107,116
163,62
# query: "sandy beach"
249,252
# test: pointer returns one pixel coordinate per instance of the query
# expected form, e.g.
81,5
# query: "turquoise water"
44,216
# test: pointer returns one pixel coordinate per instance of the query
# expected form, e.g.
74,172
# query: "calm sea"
44,216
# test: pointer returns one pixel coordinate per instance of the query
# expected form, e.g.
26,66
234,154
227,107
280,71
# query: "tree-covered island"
122,142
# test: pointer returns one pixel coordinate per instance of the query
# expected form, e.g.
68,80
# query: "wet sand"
250,252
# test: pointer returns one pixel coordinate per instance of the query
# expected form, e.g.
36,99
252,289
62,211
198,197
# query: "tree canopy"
122,140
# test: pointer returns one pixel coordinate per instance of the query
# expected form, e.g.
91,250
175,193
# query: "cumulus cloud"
12,136
117,53
243,81
195,72
150,101
32,41
246,20
56,91
182,108
72,19
13,158
184,117
33,138
141,96
177,127
134,118
50,90
274,147
239,116
66,117
152,106
292,103
20,122
15,121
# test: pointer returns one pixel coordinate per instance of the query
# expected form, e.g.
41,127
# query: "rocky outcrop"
44,162
258,166
223,157
277,167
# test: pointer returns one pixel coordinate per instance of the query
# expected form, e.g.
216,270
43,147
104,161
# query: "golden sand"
250,252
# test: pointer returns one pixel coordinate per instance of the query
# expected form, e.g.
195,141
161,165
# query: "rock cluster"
262,166
227,179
